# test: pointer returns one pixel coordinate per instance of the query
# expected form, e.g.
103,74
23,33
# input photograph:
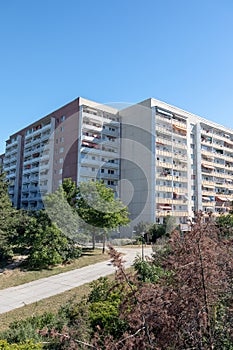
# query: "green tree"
70,191
225,224
8,219
97,206
47,244
63,214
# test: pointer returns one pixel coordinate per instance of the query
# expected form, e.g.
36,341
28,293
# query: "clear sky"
52,51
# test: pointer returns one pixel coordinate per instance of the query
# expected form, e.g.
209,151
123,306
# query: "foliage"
182,298
20,331
147,271
99,289
47,244
97,207
7,219
182,310
60,212
225,224
141,226
29,345
156,231
70,191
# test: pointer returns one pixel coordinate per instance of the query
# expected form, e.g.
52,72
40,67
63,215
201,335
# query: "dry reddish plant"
179,313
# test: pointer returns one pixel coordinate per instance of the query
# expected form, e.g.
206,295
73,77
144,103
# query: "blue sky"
53,51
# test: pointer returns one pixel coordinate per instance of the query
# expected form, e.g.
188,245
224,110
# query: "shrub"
29,345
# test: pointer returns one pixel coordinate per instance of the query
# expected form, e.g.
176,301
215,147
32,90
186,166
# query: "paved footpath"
15,297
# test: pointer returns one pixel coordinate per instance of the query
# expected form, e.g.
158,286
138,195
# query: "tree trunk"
104,242
93,240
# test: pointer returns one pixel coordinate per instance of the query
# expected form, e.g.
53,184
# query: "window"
102,171
61,139
92,169
61,150
60,171
61,160
62,128
63,118
111,183
93,157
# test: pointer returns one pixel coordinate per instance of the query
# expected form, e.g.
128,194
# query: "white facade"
160,159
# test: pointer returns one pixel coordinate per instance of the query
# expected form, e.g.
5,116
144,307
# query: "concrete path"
15,297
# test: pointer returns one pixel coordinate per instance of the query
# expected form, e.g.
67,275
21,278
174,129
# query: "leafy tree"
60,212
47,244
70,191
8,219
142,226
156,231
97,207
169,224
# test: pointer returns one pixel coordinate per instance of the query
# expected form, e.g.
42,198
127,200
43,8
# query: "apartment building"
159,159
79,140
193,163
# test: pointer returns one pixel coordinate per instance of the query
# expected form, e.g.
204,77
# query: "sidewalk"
15,297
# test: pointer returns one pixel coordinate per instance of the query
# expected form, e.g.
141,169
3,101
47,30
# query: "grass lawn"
10,278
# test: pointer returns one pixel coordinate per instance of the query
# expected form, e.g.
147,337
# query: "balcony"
164,200
89,126
99,152
223,138
164,188
45,136
12,144
167,153
208,193
164,164
36,141
159,118
43,188
91,116
43,166
164,130
171,177
110,143
115,133
11,176
175,213
108,176
178,213
182,167
163,141
13,151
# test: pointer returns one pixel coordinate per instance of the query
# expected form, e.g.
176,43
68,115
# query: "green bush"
21,331
99,289
147,271
29,345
